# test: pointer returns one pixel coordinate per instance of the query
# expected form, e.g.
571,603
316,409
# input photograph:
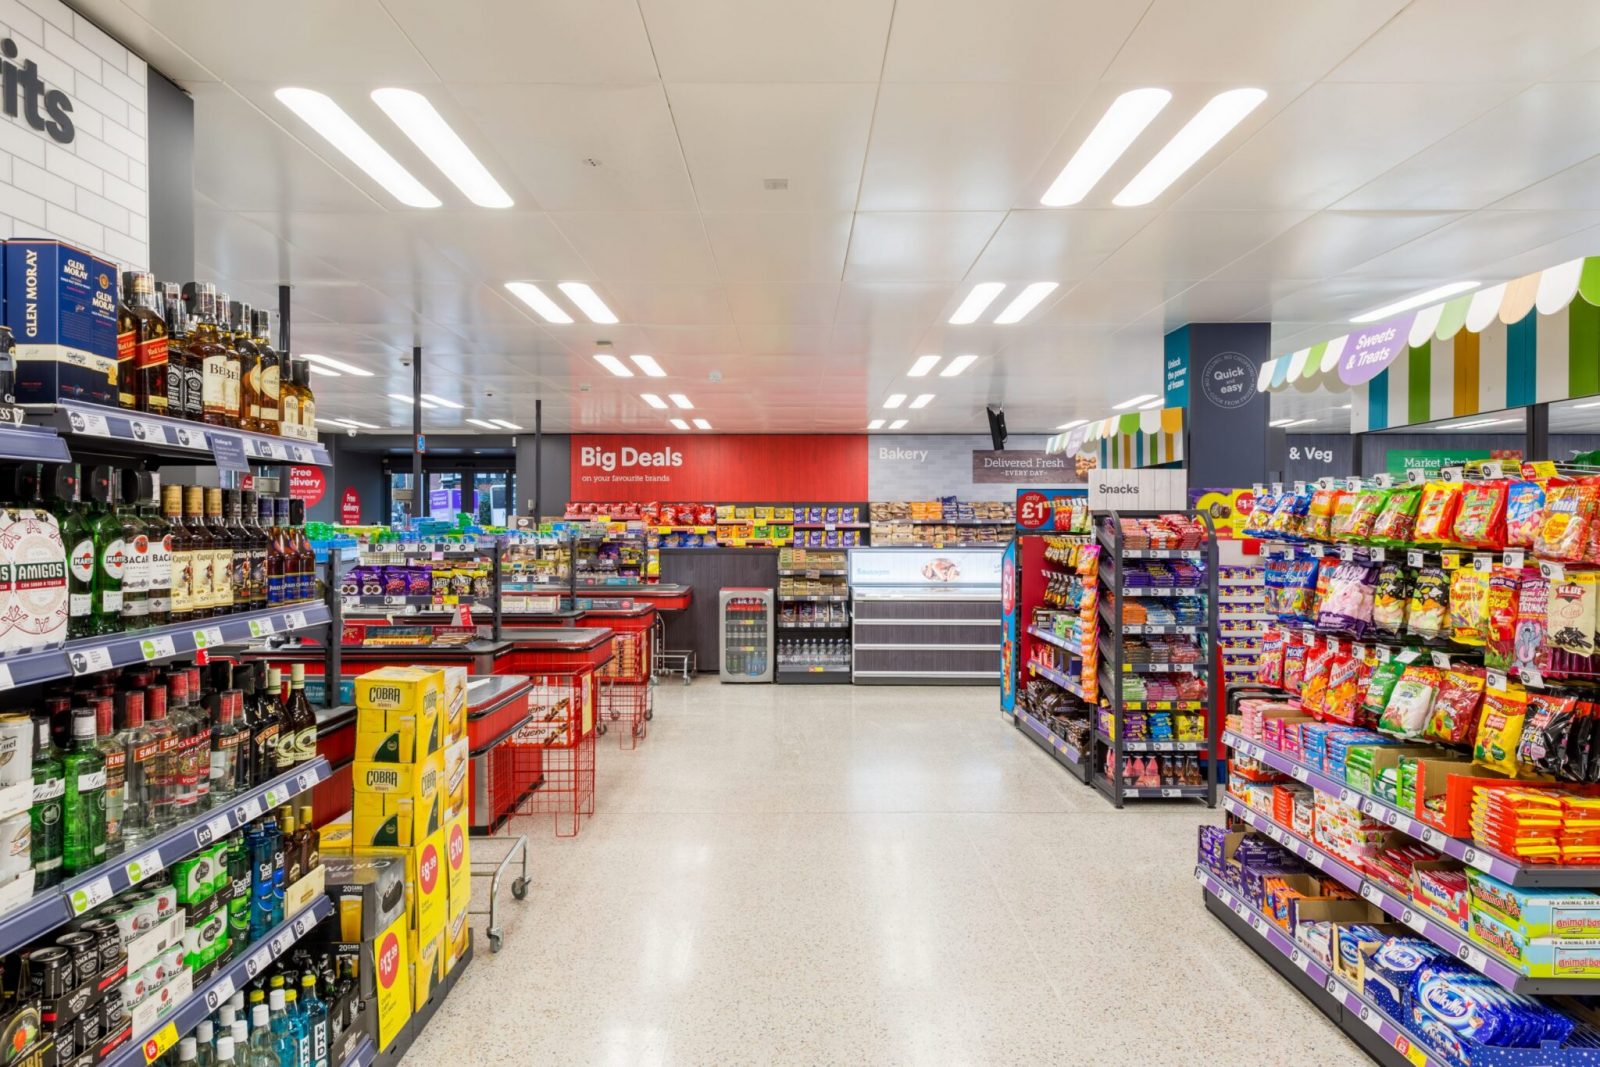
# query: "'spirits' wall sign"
22,89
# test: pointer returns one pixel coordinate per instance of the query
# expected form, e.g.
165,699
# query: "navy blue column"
1210,368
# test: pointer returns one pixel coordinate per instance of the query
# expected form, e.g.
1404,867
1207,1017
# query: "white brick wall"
91,192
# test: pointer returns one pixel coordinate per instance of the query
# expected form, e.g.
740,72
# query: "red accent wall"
730,468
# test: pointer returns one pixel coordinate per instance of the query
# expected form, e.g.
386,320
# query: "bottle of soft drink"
263,1053
283,1041
298,1028
315,1014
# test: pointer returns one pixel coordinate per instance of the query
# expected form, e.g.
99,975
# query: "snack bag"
1269,664
1411,701
1524,504
1319,519
1426,614
1550,720
1455,712
1379,686
1347,603
1344,509
1398,517
1500,729
1364,516
1481,522
1568,510
1570,622
1528,643
1500,618
1469,596
1294,665
1343,699
1314,688
1436,513
1389,598
1261,514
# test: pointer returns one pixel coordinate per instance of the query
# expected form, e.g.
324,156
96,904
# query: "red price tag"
1033,511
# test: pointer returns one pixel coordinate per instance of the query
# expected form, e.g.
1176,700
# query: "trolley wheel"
600,727
519,888
494,941
649,714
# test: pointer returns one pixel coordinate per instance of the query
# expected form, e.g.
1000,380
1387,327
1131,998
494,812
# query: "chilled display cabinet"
925,616
745,622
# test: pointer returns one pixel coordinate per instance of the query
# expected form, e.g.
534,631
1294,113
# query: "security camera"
405,361
350,432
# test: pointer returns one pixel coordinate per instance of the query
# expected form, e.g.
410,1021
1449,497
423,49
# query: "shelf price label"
1477,959
278,945
1371,893
159,1043
262,627
1299,773
1482,562
141,867
88,423
5,677
90,660
219,993
1171,792
209,637
191,438
157,647
1371,1018
147,431
1413,920
258,961
1513,557
90,895
302,925
1414,558
214,830
304,780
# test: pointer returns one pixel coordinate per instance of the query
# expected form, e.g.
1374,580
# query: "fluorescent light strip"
420,121
679,423
701,424
485,423
957,365
613,364
442,402
922,366
335,364
1118,128
1149,404
1199,135
1025,302
1070,425
534,297
1590,404
654,401
877,424
405,398
504,425
319,112
324,371
895,400
588,302
922,401
897,424
649,365
359,424
981,297
1417,301
680,400
1133,401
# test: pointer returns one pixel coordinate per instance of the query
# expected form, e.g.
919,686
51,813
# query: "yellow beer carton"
455,702
337,836
457,938
427,883
458,863
427,968
398,714
397,804
456,758
391,964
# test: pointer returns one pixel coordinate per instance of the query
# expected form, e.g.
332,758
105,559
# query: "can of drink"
50,973
16,749
108,935
84,948
16,845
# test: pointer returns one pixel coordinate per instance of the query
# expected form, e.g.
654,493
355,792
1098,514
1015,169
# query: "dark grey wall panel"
1228,416
555,463
709,571
171,180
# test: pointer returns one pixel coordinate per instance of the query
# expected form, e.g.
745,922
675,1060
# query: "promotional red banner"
680,468
350,507
308,484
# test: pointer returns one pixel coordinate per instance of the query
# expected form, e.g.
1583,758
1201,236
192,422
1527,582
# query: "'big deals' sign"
802,468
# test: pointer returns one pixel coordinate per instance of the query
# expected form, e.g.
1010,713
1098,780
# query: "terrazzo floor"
863,875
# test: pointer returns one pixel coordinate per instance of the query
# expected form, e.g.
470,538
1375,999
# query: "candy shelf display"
1058,599
1157,629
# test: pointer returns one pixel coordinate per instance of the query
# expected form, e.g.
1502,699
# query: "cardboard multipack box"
397,804
455,702
457,939
458,863
457,757
338,835
428,967
398,714
427,883
61,305
391,964
369,892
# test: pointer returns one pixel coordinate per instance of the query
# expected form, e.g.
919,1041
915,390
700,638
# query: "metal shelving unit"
1114,662
1076,763
106,430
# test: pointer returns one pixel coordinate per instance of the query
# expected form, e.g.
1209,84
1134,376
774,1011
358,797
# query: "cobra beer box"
391,966
458,863
61,305
455,703
398,714
397,804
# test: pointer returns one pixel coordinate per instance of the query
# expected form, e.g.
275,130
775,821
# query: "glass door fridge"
746,625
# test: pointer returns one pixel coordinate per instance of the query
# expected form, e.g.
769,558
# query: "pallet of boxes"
399,866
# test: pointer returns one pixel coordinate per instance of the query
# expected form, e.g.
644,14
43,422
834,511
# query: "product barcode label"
1478,859
1531,676
1415,476
146,866
90,660
262,627
1297,958
219,993
1450,560
275,796
1347,552
1441,660
251,809
294,620
258,961
1318,860
1429,835
157,647
90,895
209,637
393,600
302,454
277,451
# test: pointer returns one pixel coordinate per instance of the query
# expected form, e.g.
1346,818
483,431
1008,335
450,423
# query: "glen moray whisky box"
61,305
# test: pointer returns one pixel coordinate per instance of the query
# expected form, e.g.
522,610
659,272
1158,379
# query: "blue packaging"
61,305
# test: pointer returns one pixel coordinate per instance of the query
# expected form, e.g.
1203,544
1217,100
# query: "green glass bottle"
79,539
45,817
84,799
110,553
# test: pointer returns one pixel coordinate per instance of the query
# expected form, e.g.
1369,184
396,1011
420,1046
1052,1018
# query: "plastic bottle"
315,1014
241,1041
263,1053
299,1028
283,1039
225,1053
205,1044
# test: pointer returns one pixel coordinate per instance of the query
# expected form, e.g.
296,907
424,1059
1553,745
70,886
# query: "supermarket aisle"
810,875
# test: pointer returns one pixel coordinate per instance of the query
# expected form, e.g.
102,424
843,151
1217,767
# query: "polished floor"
836,875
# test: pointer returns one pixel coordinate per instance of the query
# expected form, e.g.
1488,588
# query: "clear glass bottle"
199,744
185,762
263,1050
315,1013
110,554
230,749
159,534
116,770
79,539
136,551
83,802
297,1028
139,754
225,1053
46,816
162,770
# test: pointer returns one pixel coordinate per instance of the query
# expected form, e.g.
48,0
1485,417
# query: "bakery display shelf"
20,442
90,655
1424,921
1072,648
812,572
107,429
1059,750
1152,792
1153,746
61,904
1492,863
203,1002
814,598
1065,681
1378,1035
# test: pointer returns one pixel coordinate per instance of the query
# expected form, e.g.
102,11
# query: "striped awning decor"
1135,439
1531,340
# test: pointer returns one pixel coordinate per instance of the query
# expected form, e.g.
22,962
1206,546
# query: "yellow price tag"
158,1043
1416,1055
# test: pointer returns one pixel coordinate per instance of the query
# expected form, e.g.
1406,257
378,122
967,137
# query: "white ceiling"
1401,145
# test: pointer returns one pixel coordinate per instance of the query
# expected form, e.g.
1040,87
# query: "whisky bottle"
308,402
185,376
151,392
288,399
271,399
200,298
221,555
233,370
127,356
200,548
241,324
182,553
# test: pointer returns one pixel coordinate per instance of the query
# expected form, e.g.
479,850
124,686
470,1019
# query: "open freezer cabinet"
746,624
925,616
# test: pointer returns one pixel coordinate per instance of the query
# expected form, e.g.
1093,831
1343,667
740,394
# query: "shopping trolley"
626,697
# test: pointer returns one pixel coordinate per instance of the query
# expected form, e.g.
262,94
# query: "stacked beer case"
407,828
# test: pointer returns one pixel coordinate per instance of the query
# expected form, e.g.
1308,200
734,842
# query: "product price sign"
146,866
262,627
258,961
90,660
90,895
294,620
279,945
147,431
301,925
1051,510
191,438
85,422
214,830
156,647
160,1043
228,451
210,637
304,780
219,993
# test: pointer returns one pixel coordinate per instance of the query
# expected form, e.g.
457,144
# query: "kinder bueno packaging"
61,305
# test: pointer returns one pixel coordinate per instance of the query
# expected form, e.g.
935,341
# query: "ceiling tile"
592,41
671,305
1006,40
1193,244
1460,40
1331,242
1057,245
768,40
811,303
779,246
917,246
641,246
1478,246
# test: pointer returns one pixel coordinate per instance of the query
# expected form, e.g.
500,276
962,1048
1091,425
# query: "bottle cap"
290,996
308,981
186,1049
258,1015
225,1048
275,1000
241,1032
226,1015
204,1031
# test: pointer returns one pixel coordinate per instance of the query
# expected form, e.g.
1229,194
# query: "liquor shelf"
30,443
102,428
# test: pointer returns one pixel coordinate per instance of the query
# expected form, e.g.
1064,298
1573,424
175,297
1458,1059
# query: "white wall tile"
73,227
100,43
103,100
41,183
16,18
61,43
65,162
26,207
103,211
93,150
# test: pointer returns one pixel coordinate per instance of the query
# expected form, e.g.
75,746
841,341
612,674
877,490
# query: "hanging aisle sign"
1368,352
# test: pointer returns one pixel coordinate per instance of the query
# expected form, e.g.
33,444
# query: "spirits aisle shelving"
1158,629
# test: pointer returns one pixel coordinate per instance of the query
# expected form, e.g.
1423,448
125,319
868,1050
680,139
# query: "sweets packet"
1427,614
1469,597
1500,617
1364,514
1529,651
1437,512
1568,510
1342,703
1347,602
1319,517
1379,687
1389,598
1411,701
1481,520
1455,710
1500,726
1545,731
1314,688
1524,503
1570,622
1398,517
